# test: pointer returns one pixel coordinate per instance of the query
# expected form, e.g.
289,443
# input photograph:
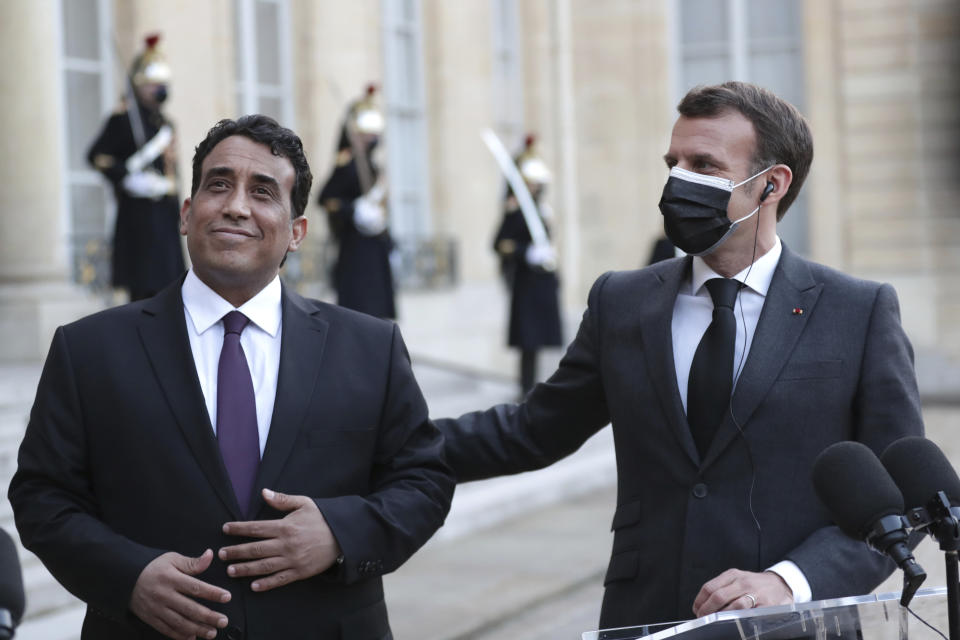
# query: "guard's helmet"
365,115
532,167
150,67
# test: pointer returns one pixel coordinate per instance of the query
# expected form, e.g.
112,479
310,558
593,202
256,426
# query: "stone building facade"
597,81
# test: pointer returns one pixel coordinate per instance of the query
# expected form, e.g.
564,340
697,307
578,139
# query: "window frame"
250,86
405,107
85,176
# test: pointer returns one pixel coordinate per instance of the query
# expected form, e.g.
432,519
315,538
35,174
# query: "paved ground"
536,575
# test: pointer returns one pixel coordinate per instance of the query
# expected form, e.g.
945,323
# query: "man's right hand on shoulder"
164,597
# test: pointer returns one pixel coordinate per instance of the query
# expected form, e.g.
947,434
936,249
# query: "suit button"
233,633
699,490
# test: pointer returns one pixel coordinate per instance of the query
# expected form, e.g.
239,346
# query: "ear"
184,216
781,177
299,228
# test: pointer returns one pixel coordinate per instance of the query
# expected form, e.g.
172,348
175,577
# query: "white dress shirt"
692,314
204,310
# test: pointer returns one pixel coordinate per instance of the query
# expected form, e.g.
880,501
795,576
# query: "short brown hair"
783,135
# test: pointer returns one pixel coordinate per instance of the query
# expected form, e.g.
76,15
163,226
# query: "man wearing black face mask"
136,152
723,374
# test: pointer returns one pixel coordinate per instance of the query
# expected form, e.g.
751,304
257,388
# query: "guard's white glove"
147,184
368,216
541,255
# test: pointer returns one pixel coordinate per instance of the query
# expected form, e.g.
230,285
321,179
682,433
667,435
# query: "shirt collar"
206,308
757,276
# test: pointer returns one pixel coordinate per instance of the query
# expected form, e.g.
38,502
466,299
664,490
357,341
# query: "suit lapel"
301,353
656,329
163,331
778,330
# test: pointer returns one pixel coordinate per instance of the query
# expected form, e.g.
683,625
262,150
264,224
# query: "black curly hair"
263,129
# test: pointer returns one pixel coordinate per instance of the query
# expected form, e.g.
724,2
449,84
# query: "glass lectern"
870,617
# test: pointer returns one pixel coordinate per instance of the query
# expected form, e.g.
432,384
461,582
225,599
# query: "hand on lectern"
736,589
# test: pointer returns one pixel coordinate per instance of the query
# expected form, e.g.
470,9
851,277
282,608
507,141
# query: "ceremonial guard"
354,198
137,153
529,268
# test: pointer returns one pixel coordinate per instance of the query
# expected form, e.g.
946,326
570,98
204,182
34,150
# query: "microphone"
930,487
866,504
12,600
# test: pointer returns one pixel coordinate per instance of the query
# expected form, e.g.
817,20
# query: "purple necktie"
237,412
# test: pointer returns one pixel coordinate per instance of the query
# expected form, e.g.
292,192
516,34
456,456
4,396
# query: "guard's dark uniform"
147,254
534,302
361,275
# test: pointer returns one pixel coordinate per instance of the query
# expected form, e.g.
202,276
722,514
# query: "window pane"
268,43
83,115
272,107
89,206
81,38
239,44
90,244
773,19
703,21
781,72
712,70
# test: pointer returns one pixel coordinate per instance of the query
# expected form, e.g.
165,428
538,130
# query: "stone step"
63,624
45,596
18,384
52,613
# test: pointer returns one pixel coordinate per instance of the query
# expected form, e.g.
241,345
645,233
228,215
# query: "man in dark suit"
228,459
715,439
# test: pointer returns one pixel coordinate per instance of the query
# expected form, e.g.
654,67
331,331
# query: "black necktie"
711,374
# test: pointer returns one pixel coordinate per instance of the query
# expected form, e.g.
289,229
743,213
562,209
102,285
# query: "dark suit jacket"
841,370
120,464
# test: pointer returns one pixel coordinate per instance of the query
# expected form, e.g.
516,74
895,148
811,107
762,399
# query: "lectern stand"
871,617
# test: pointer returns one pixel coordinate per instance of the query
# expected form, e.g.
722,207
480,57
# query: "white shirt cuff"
795,579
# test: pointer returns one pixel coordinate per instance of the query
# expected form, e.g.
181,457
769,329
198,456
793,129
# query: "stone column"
35,295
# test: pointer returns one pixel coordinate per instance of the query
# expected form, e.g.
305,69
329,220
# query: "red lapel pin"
797,311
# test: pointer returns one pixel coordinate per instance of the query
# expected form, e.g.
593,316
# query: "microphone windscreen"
11,579
857,491
921,469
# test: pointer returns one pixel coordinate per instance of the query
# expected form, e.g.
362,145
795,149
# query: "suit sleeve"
556,418
886,408
411,484
53,501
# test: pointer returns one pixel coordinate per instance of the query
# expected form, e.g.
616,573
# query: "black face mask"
694,208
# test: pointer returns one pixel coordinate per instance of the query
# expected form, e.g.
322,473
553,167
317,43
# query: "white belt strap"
151,150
